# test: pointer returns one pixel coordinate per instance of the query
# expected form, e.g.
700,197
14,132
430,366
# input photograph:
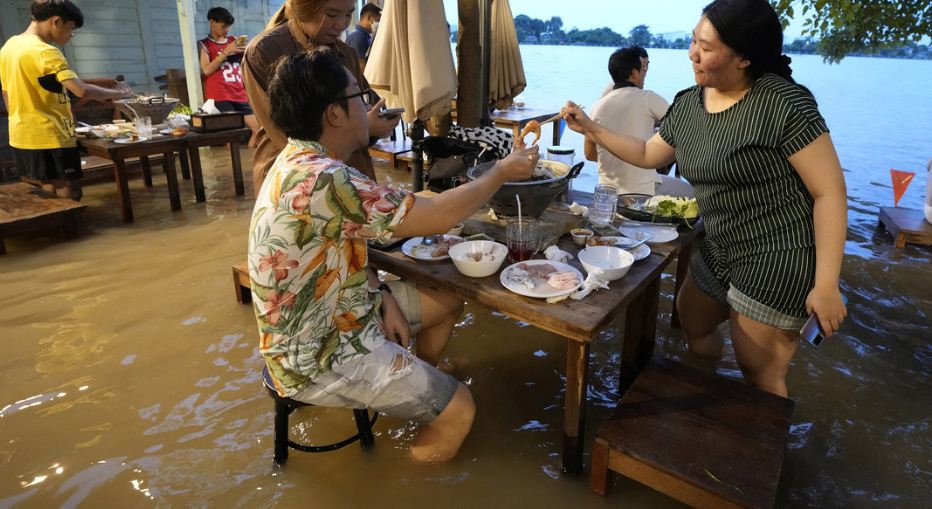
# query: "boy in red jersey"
220,56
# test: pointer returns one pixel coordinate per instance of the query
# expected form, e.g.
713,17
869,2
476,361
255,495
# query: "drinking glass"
144,126
522,237
604,203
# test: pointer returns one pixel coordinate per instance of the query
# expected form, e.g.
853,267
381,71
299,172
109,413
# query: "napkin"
209,107
558,255
579,210
591,284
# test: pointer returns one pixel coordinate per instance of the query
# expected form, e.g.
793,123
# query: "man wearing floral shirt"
324,317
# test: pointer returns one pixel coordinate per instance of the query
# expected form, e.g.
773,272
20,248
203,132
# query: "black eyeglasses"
364,94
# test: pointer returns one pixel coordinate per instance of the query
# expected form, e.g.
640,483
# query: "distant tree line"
537,31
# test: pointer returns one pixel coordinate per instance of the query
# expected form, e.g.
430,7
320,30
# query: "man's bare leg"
441,439
439,313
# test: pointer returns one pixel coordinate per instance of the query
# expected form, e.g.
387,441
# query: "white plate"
414,248
124,141
166,132
660,234
640,252
82,130
542,290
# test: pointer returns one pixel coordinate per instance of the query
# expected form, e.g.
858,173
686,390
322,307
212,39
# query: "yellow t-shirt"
31,73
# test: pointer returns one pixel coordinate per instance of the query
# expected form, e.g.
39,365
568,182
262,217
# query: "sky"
661,16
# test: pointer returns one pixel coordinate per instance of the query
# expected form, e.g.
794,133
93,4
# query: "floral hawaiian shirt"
308,262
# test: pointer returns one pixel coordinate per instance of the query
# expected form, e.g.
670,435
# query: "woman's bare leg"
253,124
700,315
763,352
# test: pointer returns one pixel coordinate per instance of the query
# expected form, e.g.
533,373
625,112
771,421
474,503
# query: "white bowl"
456,230
614,262
462,257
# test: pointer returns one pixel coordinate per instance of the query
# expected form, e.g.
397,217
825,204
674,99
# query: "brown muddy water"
131,378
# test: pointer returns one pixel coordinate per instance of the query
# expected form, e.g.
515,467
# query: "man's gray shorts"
389,379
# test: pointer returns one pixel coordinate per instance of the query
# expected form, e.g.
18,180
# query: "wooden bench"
24,208
702,439
906,226
391,150
241,283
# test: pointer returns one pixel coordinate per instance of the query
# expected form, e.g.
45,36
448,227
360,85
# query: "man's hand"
381,127
396,325
122,90
519,165
233,49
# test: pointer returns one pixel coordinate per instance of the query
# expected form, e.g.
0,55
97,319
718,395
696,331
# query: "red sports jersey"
226,84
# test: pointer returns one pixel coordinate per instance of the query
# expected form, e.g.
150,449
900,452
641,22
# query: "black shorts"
49,164
233,106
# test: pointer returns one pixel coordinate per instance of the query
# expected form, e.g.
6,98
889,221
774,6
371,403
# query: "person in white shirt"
629,109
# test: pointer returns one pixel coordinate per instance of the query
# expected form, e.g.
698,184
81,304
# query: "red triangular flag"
901,180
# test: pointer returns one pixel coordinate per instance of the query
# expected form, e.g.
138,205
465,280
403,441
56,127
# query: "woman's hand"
394,320
827,305
576,119
520,164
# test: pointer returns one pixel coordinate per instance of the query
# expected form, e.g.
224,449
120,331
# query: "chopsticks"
558,116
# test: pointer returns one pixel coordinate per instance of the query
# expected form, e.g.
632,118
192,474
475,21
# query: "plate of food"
417,249
82,130
541,279
658,234
659,209
132,138
639,252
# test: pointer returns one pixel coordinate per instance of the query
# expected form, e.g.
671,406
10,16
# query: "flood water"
131,378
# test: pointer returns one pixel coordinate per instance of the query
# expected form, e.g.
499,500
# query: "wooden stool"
697,437
906,226
241,284
283,408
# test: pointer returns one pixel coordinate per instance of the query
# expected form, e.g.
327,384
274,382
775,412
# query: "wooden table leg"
119,176
197,175
168,163
185,169
146,170
574,413
237,169
557,130
640,331
682,268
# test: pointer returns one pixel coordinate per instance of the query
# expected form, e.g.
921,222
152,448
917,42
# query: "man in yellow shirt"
34,76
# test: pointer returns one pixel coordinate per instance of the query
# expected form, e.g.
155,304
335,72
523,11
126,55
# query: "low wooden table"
193,141
698,437
906,226
636,296
119,153
23,208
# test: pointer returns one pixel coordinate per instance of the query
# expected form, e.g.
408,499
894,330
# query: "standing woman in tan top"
298,26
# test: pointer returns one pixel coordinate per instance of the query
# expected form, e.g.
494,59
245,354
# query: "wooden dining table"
167,146
635,297
516,118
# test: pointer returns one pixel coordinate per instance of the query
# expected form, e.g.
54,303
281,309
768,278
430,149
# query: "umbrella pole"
416,133
485,33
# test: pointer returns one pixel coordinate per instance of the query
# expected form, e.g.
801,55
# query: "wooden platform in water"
25,208
906,226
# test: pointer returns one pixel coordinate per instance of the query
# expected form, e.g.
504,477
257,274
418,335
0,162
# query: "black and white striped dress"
757,211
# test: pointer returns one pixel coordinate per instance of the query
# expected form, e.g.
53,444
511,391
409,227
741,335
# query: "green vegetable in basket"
181,109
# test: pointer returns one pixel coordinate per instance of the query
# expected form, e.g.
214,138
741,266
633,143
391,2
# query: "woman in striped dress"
768,183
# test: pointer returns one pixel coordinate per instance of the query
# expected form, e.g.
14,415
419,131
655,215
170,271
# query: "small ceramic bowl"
456,230
581,235
478,258
612,262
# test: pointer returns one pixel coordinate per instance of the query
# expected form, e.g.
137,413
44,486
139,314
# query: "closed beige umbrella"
410,63
506,71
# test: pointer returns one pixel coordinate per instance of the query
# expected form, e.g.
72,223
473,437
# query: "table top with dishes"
498,273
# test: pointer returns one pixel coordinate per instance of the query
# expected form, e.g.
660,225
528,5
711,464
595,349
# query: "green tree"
640,35
844,27
555,24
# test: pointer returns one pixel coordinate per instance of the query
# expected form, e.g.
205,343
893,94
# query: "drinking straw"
520,223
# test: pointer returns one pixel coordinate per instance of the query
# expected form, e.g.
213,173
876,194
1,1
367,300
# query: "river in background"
130,375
